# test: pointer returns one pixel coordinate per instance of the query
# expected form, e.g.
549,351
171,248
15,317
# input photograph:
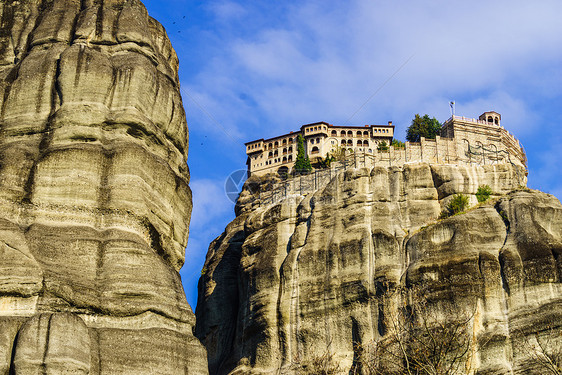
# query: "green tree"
423,127
483,193
382,146
302,162
398,144
457,204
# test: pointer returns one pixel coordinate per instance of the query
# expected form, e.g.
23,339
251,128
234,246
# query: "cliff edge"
323,279
94,195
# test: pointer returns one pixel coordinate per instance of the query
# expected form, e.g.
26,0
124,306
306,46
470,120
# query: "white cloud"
326,60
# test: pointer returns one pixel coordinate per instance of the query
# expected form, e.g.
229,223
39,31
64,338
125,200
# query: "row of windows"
272,145
285,159
276,153
334,133
359,133
349,142
315,129
349,133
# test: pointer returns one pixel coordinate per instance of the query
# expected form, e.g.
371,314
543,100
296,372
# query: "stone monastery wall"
463,141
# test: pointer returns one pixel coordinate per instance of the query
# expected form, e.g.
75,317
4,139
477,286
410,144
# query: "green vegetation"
398,144
456,205
325,163
423,127
382,146
483,193
302,162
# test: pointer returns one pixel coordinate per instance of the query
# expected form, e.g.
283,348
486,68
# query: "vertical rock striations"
94,195
313,275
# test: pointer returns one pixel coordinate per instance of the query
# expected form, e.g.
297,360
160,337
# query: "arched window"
311,141
270,146
284,142
284,151
359,133
359,142
276,153
370,151
290,148
343,133
349,142
334,133
366,133
270,155
366,143
349,133
276,144
290,140
315,150
496,121
490,119
343,142
284,159
317,140
290,157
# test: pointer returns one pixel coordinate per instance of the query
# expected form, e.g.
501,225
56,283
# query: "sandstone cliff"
314,275
94,196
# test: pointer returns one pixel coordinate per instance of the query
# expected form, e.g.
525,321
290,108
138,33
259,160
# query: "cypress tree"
302,162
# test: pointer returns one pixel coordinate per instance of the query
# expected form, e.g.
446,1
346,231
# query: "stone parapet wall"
462,141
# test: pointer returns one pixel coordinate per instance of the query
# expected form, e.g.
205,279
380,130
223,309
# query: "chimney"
390,123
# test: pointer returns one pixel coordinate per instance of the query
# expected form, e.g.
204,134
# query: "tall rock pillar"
94,196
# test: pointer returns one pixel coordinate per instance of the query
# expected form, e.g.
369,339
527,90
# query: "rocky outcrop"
94,195
318,274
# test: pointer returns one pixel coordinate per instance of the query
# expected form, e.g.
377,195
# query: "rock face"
94,196
313,274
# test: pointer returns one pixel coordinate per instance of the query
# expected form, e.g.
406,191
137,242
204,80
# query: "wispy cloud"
322,60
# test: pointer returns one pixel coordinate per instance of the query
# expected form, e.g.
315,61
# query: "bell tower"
491,117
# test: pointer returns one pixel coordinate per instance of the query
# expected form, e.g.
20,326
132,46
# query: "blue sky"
252,69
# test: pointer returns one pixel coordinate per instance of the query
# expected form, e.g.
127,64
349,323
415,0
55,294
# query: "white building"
278,154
